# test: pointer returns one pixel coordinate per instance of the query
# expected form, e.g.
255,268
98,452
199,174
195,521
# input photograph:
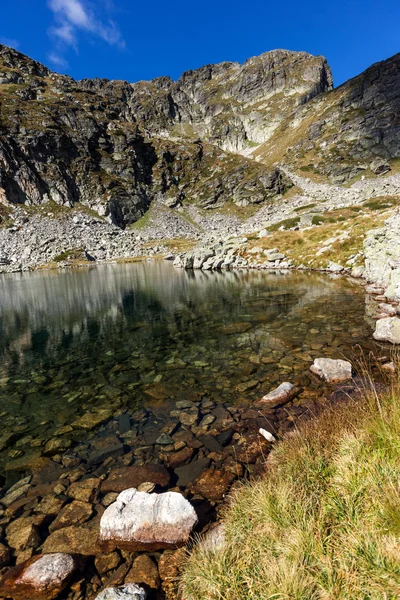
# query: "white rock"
130,591
333,371
48,572
140,521
268,436
388,330
214,539
282,394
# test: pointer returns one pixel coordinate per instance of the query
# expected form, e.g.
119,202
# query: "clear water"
134,335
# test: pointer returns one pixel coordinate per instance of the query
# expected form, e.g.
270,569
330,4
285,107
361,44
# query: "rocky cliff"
223,137
115,147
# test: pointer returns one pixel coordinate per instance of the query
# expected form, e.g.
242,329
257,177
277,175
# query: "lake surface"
122,337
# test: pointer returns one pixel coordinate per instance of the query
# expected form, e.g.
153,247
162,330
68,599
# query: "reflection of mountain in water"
48,313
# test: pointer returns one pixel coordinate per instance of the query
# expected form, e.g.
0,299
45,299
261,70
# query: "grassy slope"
324,524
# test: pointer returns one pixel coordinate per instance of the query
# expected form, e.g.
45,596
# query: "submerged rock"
281,395
140,521
43,577
332,371
213,484
388,330
123,478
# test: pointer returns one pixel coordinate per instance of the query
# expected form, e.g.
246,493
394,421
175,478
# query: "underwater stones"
189,418
130,591
247,385
388,330
281,395
331,370
164,440
179,458
90,420
41,578
56,445
140,521
188,473
16,492
124,478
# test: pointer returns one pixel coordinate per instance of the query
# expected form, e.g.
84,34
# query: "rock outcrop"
382,256
388,330
141,521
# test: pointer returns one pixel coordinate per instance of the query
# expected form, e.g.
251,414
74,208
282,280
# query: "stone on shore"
131,591
140,521
281,395
41,578
388,330
331,370
213,484
144,572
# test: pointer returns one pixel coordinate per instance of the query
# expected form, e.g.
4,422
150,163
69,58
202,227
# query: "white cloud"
72,17
9,42
57,60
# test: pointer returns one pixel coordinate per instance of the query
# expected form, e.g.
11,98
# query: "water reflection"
141,333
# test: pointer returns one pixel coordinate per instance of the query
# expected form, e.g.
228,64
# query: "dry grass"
324,524
340,232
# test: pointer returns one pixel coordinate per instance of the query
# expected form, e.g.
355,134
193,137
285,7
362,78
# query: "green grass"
324,522
285,224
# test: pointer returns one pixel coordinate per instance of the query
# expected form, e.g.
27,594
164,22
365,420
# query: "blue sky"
125,39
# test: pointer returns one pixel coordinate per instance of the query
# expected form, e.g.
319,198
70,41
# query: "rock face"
124,592
220,103
88,141
349,129
332,371
141,521
388,330
382,256
41,578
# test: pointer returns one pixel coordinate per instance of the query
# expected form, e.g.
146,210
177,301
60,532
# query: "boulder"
379,166
332,371
388,330
130,591
281,395
140,521
41,578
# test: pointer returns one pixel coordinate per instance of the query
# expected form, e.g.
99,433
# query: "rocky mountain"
340,133
114,146
229,137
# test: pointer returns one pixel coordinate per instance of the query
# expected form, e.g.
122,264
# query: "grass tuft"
323,524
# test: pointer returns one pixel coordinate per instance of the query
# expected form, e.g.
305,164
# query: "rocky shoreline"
196,449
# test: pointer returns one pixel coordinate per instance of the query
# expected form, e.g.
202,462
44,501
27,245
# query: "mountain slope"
338,134
100,143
